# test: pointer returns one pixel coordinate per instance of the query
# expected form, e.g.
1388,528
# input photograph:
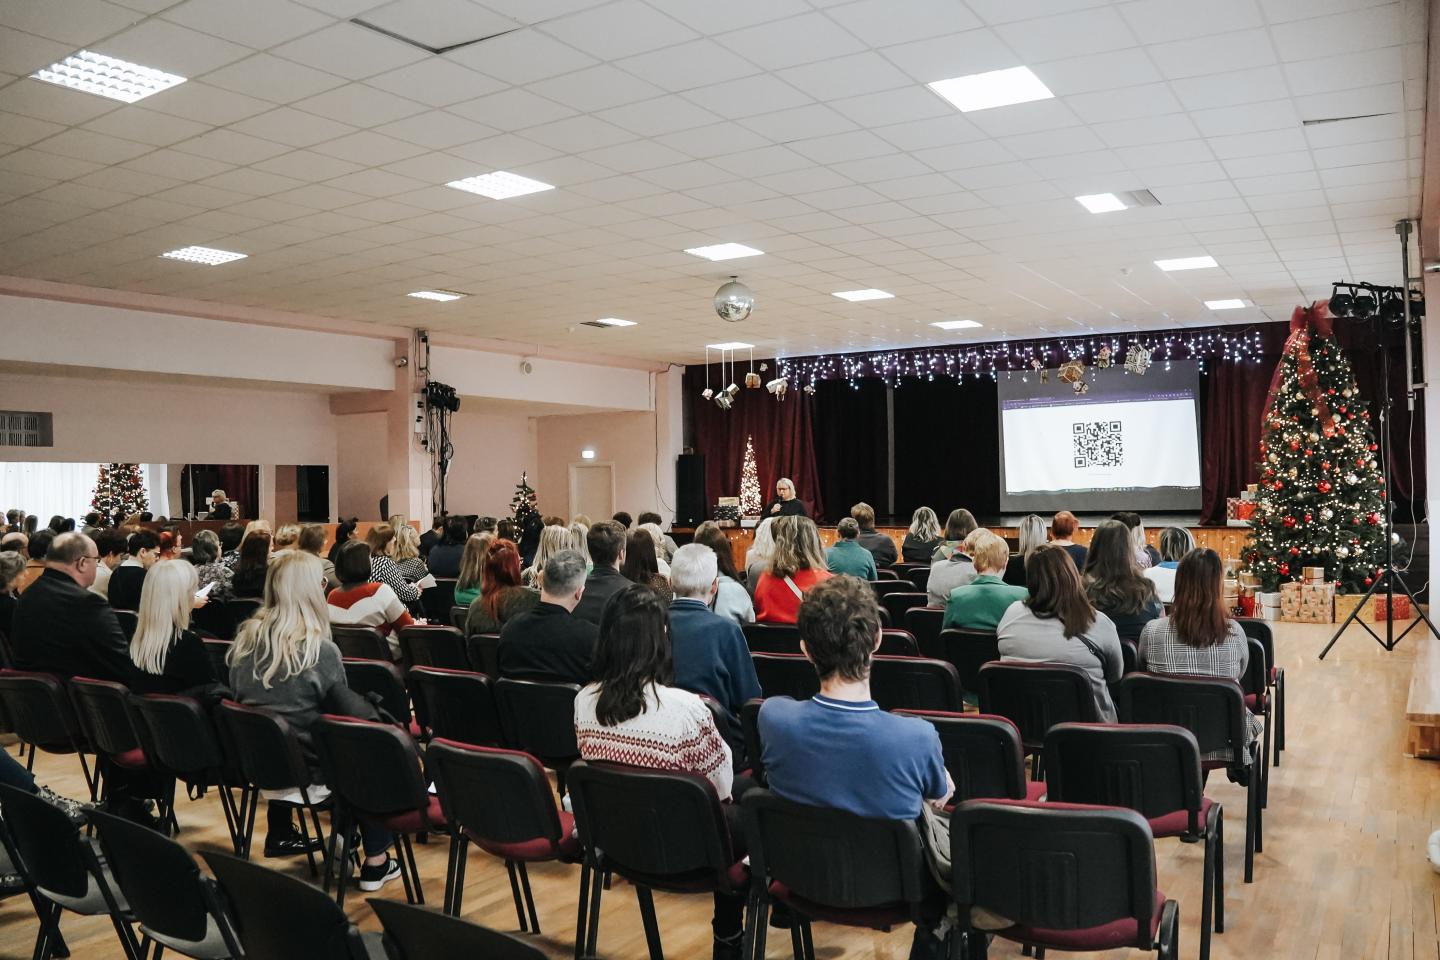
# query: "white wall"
474,373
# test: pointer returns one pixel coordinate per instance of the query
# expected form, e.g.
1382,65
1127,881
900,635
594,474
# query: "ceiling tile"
1142,130
271,78
714,140
595,88
45,101
689,65
255,23
577,133
788,43
1144,100
1158,21
748,97
95,147
146,126
79,23
620,29
24,53
435,82
436,130
512,109
521,57
439,23
956,55
17,131
376,183
709,17
307,165
206,104
360,105
1067,35
350,51
291,127
666,114
1342,72
177,165
1228,89
503,152
846,76
893,106
1341,34
538,11
1246,118
814,120
368,147
38,163
1242,49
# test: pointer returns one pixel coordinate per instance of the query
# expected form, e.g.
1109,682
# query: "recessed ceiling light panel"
444,296
1101,202
1225,304
997,88
731,345
1186,263
206,255
500,185
724,251
956,324
855,296
107,77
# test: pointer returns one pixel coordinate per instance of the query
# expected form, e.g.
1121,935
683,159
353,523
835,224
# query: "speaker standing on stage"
785,503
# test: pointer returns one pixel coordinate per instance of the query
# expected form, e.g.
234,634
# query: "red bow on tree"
1314,320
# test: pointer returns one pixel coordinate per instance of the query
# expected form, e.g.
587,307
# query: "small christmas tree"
522,504
749,483
1321,494
119,489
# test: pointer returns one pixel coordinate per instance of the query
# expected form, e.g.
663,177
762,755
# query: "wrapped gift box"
1399,608
1313,574
1375,610
1267,605
1238,511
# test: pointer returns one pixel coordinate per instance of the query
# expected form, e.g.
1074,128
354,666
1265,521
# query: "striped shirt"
384,570
675,731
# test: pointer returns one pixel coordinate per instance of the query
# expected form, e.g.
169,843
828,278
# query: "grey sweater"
1031,639
297,699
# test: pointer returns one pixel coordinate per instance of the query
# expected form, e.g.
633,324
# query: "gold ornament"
1071,371
752,380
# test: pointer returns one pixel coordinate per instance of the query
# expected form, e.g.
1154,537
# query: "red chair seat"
539,848
1177,824
1107,936
1255,703
417,731
133,759
414,821
880,917
1034,789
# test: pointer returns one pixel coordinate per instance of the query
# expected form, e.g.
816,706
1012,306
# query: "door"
592,490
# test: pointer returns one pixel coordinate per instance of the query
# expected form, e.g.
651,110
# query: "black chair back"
1260,630
240,610
885,573
214,619
750,730
896,602
916,573
482,653
50,846
495,796
264,747
1036,696
279,917
539,718
915,683
436,601
460,705
458,616
382,678
1049,868
40,712
888,585
217,651
104,717
1256,680
969,650
1212,709
418,933
1152,769
833,858
180,738
772,637
983,754
785,675
361,643
657,828
374,767
1130,656
434,645
925,623
898,642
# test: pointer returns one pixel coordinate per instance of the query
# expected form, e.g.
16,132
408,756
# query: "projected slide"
1130,443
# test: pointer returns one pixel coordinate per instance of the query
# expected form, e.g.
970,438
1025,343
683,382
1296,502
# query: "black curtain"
852,445
956,424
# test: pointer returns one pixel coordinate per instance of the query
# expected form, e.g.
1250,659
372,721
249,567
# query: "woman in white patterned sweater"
631,715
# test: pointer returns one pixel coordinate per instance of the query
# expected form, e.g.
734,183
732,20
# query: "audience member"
732,600
205,554
58,524
250,570
879,544
472,568
283,661
980,603
579,540
550,520
35,546
502,598
923,537
112,546
146,516
1032,533
16,541
172,544
553,539
606,544
60,627
847,556
1199,638
92,524
1113,581
1146,556
624,519
362,602
433,536
711,656
1175,542
445,556
285,538
1062,528
667,545
796,565
581,519
955,571
11,566
657,536
219,506
507,529
1058,625
757,558
127,580
631,714
381,540
486,525
642,566
406,554
312,541
785,504
551,642
529,540
230,536
959,525
168,656
343,534
14,519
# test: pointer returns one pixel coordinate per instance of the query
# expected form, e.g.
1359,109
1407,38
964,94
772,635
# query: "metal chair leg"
581,918
515,892
529,897
647,917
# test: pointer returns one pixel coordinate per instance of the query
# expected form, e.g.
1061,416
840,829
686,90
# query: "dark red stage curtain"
782,432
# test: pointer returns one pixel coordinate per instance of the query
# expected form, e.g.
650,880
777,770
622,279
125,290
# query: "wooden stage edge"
1422,707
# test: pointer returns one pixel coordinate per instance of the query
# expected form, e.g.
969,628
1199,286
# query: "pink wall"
491,449
625,439
361,453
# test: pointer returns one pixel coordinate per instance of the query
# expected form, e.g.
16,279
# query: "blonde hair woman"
922,538
757,558
578,542
283,661
286,537
553,539
1033,533
383,569
796,565
658,536
169,657
472,568
406,553
785,503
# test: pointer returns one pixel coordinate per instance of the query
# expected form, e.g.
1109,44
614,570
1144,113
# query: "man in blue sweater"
710,654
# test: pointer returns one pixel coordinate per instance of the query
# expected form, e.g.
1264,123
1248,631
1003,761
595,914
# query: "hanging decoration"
1103,357
1071,372
1137,360
734,301
777,387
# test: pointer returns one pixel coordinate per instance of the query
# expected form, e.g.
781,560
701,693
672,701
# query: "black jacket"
187,667
881,547
547,643
222,512
125,585
602,584
444,559
62,628
915,550
794,507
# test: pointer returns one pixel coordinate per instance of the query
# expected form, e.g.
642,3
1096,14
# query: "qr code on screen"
1098,443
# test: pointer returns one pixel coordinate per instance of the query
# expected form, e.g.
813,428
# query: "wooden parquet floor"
1344,872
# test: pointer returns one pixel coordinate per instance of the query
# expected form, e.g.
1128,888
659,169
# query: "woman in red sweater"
361,602
796,565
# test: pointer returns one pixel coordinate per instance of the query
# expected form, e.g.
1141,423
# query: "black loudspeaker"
690,490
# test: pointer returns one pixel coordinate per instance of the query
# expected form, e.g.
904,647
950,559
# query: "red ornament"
1342,409
1373,448
1359,461
1323,486
1309,452
1373,519
1276,485
1324,464
1308,518
1355,521
1331,391
1290,522
1284,569
1368,581
1294,551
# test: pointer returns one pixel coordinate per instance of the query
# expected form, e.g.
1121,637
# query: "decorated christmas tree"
1321,494
749,483
522,504
119,489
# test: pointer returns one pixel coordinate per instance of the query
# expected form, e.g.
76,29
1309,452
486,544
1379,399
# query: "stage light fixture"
1417,308
1363,306
1392,310
1340,304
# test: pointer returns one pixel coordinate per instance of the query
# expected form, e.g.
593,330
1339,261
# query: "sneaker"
295,846
727,948
373,877
73,809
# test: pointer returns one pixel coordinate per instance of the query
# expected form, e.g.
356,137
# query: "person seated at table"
1175,542
796,565
979,604
1113,581
219,506
847,556
922,538
362,602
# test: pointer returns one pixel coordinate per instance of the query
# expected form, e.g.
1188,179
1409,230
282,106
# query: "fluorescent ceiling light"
206,255
997,88
1101,202
500,185
732,345
724,251
441,295
1186,263
956,324
855,296
615,322
1225,304
107,76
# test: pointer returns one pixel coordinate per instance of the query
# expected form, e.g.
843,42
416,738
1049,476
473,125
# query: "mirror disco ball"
734,301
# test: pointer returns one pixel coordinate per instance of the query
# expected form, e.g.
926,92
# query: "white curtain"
48,489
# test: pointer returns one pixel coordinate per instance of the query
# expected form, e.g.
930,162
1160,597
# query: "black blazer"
794,507
60,627
221,512
125,586
547,643
187,666
881,547
602,584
